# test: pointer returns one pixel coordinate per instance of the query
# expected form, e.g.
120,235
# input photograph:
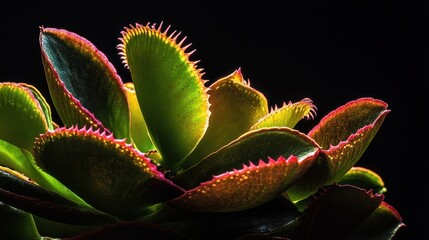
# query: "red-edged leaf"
346,120
246,188
336,160
250,147
363,178
22,118
169,87
83,84
44,106
235,107
383,224
343,156
288,115
107,173
336,212
278,217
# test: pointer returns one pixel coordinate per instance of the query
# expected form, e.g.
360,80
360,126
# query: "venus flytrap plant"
171,156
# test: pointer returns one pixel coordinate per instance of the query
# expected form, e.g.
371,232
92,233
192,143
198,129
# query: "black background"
329,52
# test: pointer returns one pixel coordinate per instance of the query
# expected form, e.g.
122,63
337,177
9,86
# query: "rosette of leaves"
171,156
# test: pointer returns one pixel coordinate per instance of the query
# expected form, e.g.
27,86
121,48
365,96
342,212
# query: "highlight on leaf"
85,87
166,156
245,188
251,146
169,88
22,117
235,107
22,162
288,115
363,178
337,160
107,173
138,128
27,195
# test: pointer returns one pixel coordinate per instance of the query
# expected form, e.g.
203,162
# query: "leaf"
251,147
16,190
235,107
336,212
16,224
107,173
383,224
23,161
288,115
363,178
43,104
21,116
337,160
139,131
346,120
83,84
169,89
246,188
278,216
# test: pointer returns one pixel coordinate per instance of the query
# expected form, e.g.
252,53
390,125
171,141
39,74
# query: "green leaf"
21,116
251,147
18,191
16,224
169,88
363,178
23,161
336,212
43,104
246,188
83,84
288,115
235,107
338,159
383,224
107,173
139,131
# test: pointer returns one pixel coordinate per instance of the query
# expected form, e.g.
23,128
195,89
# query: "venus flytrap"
171,155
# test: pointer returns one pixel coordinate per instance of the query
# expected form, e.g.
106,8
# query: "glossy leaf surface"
337,160
22,161
169,88
245,188
363,178
336,212
19,192
383,224
83,84
235,107
288,115
107,173
252,147
21,116
139,131
16,224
